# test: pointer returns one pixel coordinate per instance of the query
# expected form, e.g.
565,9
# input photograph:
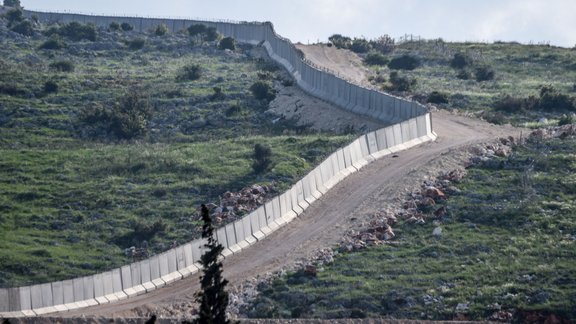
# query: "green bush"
189,72
566,120
161,30
24,28
510,104
217,94
12,3
262,90
74,31
136,44
14,16
126,26
262,158
127,119
62,66
340,41
400,83
360,45
383,44
375,58
484,73
54,43
404,62
203,32
130,115
50,87
227,43
464,74
460,61
437,97
114,26
551,99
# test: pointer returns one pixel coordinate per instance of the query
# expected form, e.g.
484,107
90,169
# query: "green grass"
509,242
71,202
520,71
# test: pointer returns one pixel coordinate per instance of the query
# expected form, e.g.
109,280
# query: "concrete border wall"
413,126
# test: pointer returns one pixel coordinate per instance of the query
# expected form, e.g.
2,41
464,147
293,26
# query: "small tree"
262,159
126,26
189,72
227,43
24,28
404,62
212,297
161,30
12,3
14,16
262,90
114,26
340,41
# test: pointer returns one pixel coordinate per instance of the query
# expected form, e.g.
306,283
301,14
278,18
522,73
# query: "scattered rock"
437,231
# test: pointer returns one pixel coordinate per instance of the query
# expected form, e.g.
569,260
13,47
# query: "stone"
462,307
437,231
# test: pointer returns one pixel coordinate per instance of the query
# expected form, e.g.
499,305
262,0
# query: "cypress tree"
212,297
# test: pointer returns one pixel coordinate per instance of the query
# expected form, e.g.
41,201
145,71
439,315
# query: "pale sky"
309,21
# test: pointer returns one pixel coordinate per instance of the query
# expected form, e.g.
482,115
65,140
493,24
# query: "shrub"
262,155
127,119
114,26
75,31
400,83
340,41
464,75
12,90
54,43
196,29
24,28
509,104
126,26
161,30
262,90
404,62
551,99
189,72
383,44
227,43
14,16
360,45
136,44
375,58
62,66
12,3
217,95
484,73
566,120
130,115
203,33
460,61
50,87
437,97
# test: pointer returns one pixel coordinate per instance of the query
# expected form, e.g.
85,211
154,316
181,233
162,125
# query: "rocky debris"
562,132
235,204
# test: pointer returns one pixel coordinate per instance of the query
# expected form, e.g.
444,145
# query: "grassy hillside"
507,250
447,75
112,142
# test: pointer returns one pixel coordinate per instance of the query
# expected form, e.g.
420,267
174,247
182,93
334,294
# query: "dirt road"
325,222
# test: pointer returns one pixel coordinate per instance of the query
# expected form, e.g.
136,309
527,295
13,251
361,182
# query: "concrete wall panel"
117,284
172,262
25,294
58,295
247,224
4,301
36,294
231,238
155,272
300,195
163,264
221,237
262,221
372,143
68,293
240,234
